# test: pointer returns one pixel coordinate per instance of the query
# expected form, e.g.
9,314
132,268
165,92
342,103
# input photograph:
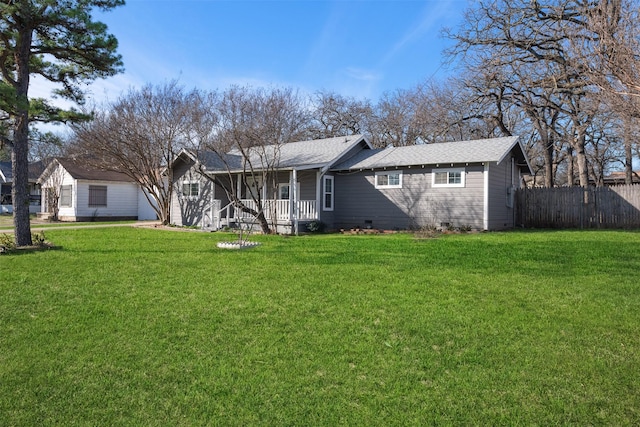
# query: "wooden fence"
577,207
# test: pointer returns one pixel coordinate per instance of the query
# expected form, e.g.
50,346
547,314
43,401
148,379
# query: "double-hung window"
327,193
65,196
97,196
448,177
388,179
191,189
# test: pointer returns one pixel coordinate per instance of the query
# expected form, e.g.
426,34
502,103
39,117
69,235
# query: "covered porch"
279,212
287,199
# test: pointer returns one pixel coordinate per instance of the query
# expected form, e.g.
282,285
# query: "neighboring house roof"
293,155
35,169
5,172
78,169
445,153
618,178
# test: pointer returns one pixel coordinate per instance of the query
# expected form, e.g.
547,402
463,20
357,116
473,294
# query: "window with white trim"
284,191
388,179
97,196
65,196
191,189
327,193
448,177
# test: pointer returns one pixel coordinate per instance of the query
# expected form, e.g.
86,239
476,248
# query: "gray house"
344,183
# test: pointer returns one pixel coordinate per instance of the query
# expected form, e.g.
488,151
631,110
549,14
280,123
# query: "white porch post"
239,196
485,213
291,205
214,209
318,194
294,196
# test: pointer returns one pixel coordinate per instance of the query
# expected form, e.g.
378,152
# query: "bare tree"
396,119
139,135
530,41
244,130
609,46
609,51
52,187
335,115
451,111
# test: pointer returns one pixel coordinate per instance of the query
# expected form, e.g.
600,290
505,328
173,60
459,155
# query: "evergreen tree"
58,40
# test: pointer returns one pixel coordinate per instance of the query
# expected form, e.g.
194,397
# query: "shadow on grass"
31,249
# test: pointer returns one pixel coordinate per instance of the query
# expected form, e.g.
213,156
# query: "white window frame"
62,203
191,195
388,174
449,171
281,189
287,185
325,193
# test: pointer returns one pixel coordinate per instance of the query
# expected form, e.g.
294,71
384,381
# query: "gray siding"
328,218
307,180
416,204
501,216
185,210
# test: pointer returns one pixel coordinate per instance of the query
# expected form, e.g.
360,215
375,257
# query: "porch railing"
278,210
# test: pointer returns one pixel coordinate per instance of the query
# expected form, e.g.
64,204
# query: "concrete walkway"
79,225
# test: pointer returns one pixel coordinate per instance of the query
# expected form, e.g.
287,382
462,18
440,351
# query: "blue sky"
358,48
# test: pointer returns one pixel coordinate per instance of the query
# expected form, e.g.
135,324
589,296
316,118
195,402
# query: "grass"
6,223
145,327
6,220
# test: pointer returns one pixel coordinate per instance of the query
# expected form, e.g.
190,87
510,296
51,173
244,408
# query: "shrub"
6,242
427,232
315,226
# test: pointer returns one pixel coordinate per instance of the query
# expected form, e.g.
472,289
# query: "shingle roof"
35,169
79,170
477,151
314,153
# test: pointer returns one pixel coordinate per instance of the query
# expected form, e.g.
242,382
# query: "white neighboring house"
82,193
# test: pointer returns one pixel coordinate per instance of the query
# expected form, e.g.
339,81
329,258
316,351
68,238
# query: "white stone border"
237,245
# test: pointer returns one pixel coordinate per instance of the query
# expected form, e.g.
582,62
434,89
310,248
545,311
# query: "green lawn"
6,223
6,220
124,326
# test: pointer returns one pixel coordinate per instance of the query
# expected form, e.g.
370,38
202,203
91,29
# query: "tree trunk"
548,162
570,168
166,209
581,157
628,154
264,224
20,191
20,153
